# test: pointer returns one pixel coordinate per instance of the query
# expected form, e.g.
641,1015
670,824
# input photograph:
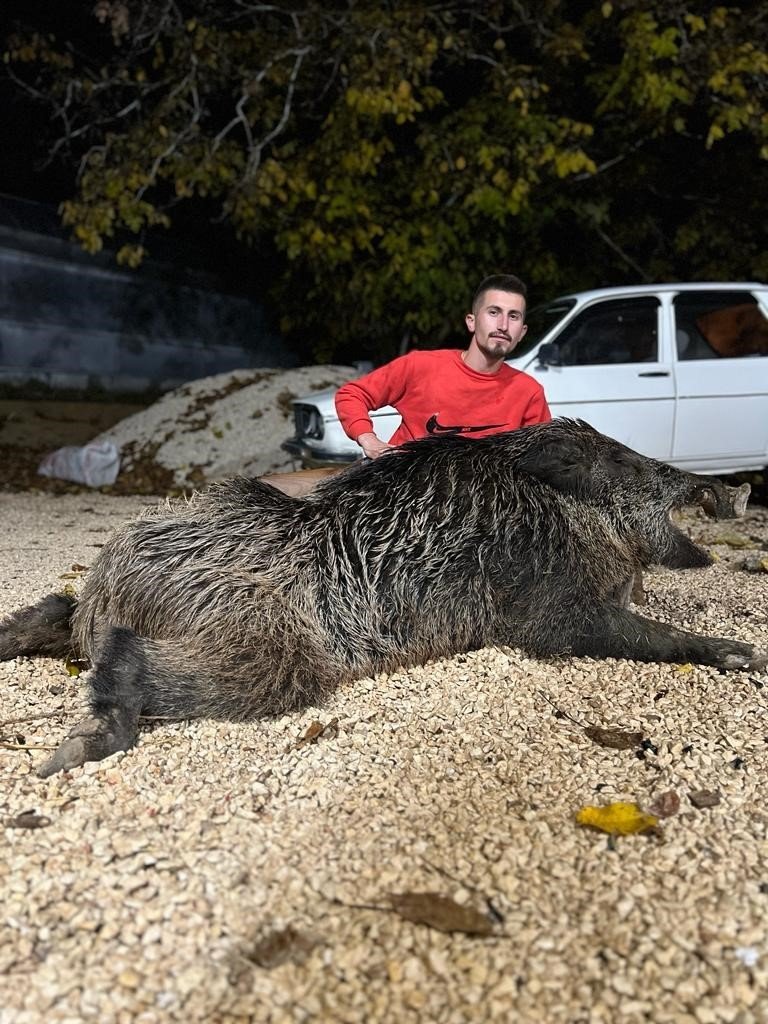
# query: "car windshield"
540,320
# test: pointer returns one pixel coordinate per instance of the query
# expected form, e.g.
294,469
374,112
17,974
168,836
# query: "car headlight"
309,422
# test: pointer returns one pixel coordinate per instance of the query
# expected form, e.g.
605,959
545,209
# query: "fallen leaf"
315,730
76,567
666,804
704,798
618,819
279,947
440,912
733,540
615,738
28,819
75,666
684,669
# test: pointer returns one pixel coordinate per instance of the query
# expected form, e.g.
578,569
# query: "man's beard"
496,346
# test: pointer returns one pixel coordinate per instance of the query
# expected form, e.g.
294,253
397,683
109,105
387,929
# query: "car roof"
645,289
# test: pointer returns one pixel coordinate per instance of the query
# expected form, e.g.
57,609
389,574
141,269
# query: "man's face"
498,323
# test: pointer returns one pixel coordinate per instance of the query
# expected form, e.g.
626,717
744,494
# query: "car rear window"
719,325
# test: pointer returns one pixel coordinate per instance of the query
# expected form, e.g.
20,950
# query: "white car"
676,371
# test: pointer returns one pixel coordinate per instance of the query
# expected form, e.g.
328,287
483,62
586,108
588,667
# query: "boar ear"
562,464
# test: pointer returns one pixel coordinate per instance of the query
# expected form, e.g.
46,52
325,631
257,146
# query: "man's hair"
501,283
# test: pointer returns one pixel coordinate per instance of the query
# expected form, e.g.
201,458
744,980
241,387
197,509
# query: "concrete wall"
73,321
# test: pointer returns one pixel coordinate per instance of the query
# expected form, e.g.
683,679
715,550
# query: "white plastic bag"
95,464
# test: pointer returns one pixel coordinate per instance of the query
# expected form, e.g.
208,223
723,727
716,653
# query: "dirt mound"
208,429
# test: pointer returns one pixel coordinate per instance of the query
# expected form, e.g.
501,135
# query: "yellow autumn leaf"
683,670
619,819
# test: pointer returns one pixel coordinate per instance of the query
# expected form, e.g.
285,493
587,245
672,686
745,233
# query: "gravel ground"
223,872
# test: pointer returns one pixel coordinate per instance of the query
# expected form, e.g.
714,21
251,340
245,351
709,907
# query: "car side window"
610,332
719,325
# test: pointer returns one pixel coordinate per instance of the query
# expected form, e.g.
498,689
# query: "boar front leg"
621,633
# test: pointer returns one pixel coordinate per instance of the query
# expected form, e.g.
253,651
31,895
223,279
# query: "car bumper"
317,458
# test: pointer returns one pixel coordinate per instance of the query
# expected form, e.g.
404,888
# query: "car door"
612,372
721,378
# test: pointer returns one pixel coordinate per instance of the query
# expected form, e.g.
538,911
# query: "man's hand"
372,446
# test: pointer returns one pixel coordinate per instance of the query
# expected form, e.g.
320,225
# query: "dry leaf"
666,804
733,540
440,912
704,798
615,738
315,730
75,666
28,819
684,669
279,947
618,819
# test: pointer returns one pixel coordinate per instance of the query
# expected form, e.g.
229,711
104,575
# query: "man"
447,391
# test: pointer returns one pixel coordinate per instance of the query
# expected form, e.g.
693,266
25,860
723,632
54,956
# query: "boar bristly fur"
244,601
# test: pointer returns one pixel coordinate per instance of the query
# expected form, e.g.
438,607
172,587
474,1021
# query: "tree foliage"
393,154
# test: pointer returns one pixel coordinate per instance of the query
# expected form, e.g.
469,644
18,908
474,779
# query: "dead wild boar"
244,601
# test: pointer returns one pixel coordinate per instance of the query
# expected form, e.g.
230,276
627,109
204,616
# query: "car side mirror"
549,355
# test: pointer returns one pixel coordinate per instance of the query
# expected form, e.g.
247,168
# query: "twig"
32,718
29,746
560,710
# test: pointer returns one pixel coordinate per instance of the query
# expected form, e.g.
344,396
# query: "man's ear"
469,320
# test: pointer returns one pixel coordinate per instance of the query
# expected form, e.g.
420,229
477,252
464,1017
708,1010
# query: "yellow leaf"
607,10
683,670
695,23
619,819
715,133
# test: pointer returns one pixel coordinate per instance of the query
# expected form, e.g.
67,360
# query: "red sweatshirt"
435,393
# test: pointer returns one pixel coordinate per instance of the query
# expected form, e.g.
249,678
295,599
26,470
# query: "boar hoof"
734,662
759,661
91,740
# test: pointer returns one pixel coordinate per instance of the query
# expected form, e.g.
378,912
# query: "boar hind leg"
42,629
116,702
621,633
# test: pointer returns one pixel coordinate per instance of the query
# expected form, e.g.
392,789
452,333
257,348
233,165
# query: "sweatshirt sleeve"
358,398
537,410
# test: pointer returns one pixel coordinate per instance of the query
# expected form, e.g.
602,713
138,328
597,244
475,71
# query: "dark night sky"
23,123
196,240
